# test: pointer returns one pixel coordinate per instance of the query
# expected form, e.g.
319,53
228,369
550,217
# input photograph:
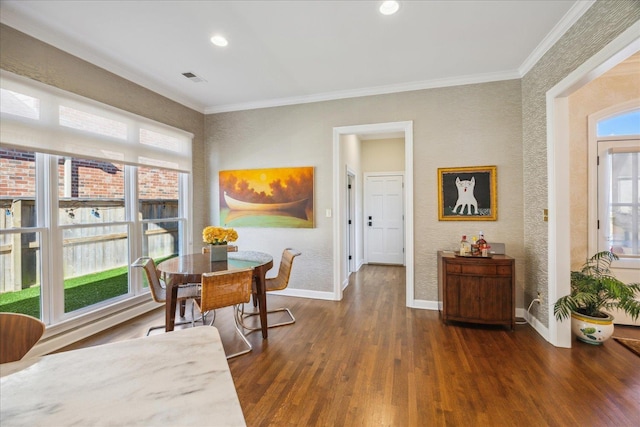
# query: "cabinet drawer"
454,268
504,270
478,269
485,270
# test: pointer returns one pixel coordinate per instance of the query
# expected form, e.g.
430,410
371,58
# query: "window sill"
78,328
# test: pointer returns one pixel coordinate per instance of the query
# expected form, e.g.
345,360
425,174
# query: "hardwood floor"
370,361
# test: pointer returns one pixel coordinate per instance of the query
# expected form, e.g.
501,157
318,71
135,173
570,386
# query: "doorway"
340,248
559,333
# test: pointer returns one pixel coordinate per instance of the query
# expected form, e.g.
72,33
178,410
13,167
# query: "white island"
179,378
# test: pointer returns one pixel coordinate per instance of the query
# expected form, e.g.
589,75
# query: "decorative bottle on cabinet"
482,245
475,250
465,246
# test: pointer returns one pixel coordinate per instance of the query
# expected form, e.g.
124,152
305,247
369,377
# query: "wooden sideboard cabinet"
476,290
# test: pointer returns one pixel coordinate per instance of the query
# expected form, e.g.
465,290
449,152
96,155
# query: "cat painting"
465,196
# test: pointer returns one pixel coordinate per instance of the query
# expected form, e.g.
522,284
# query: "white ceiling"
287,52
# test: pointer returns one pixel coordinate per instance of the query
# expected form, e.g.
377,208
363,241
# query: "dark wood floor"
370,361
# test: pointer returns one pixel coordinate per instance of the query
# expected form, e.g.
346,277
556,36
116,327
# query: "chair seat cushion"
185,291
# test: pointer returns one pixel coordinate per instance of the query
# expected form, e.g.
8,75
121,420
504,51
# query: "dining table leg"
260,276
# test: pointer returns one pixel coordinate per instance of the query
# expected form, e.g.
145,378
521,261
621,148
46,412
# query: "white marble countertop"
179,378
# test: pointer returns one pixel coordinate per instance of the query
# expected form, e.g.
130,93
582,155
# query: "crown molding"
377,90
571,17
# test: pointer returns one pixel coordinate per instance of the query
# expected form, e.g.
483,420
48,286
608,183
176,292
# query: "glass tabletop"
200,263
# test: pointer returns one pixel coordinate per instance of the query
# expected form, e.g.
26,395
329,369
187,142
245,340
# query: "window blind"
43,118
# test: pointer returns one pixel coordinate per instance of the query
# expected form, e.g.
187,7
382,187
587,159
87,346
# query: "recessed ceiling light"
219,41
389,7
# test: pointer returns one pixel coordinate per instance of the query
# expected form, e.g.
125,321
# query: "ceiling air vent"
193,77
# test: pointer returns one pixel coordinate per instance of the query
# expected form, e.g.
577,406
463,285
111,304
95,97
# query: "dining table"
179,379
189,268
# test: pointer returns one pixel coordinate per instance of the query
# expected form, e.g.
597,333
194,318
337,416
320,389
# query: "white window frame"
593,152
52,297
51,232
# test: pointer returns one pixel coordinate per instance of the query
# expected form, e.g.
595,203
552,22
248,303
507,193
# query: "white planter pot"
592,330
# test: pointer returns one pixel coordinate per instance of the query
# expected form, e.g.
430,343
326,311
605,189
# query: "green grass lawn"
79,292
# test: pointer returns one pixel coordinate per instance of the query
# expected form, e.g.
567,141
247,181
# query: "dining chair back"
159,292
224,289
18,334
281,281
278,283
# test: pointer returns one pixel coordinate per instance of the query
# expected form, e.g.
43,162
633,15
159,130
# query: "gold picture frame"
268,198
468,193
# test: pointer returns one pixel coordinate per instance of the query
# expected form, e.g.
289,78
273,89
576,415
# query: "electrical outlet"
540,299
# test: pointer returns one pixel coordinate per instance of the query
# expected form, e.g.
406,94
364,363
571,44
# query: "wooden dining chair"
186,292
278,283
224,289
18,334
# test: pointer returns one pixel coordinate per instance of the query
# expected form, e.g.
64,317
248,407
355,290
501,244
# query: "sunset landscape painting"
274,197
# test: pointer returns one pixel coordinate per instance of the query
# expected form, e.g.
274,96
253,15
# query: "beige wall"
26,56
470,125
383,155
618,85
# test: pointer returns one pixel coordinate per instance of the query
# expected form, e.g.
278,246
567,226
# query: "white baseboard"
424,304
539,327
304,293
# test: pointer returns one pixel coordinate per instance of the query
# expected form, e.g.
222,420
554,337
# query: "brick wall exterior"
153,185
90,178
17,174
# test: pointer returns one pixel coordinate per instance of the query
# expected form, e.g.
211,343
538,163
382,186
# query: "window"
21,240
618,185
622,124
158,196
85,189
618,197
91,215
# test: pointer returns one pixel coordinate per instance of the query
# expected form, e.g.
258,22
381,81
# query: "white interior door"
384,219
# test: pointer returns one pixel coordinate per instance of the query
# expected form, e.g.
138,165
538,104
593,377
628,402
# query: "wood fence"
86,250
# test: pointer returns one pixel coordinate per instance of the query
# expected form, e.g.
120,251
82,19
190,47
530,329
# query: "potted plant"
218,238
593,290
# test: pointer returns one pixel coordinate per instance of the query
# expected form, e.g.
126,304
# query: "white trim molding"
338,200
559,263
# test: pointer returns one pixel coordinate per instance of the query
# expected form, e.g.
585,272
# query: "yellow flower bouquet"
218,235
